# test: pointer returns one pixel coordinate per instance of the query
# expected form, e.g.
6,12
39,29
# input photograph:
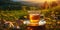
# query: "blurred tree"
9,5
53,4
45,5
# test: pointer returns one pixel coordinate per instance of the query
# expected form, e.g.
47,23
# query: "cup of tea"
34,17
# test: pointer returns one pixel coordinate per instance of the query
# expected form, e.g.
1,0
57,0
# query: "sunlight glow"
38,1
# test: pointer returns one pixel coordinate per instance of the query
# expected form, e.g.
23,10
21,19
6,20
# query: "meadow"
52,24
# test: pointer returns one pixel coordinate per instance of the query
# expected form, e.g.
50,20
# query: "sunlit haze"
36,1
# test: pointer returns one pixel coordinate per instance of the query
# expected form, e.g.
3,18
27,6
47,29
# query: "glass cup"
34,17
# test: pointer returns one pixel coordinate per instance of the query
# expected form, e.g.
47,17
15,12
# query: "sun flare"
39,1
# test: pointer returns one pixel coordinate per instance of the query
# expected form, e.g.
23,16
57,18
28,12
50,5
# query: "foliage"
11,15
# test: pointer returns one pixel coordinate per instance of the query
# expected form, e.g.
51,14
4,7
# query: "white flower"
26,22
42,22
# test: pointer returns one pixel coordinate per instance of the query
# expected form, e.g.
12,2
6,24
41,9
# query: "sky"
36,1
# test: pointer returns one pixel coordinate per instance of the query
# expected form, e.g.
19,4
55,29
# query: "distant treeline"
11,5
